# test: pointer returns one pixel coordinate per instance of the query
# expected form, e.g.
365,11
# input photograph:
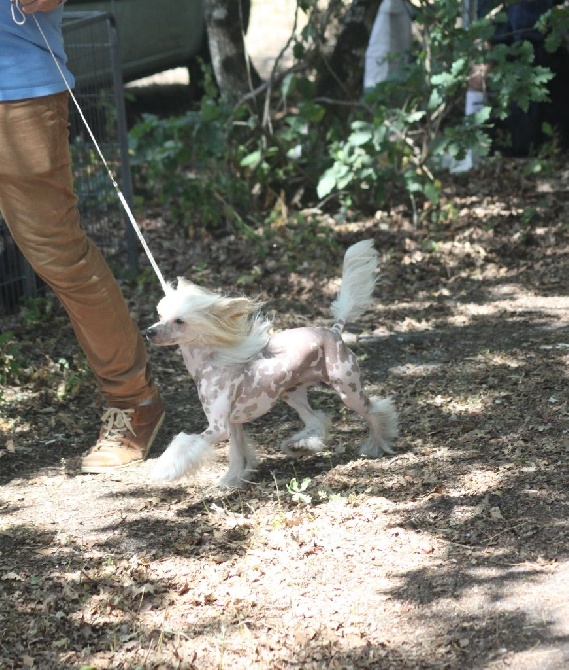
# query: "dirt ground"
452,553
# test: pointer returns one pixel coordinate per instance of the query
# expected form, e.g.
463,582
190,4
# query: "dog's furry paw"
231,482
383,428
311,439
373,450
307,444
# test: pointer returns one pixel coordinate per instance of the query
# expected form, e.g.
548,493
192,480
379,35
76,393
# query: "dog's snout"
150,332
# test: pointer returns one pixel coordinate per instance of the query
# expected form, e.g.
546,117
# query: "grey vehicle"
156,35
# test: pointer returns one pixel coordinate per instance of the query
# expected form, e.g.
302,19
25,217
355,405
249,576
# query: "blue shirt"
27,69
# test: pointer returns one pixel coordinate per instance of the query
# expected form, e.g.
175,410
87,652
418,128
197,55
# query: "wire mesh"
91,43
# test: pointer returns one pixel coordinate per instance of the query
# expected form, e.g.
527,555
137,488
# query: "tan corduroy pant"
38,202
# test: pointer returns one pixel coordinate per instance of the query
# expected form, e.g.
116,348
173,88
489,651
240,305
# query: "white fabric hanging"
389,41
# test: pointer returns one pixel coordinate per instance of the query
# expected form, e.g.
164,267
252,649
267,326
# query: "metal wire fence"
92,48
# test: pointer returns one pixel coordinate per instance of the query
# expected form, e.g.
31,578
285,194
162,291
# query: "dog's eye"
179,322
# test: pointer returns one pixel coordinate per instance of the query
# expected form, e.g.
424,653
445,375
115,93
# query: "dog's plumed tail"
185,455
358,281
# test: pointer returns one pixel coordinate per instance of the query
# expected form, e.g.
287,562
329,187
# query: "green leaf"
431,192
312,113
415,116
251,160
360,138
326,184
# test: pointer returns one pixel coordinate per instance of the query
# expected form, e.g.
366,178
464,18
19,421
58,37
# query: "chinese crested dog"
241,370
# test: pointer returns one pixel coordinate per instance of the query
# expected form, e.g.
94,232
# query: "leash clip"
16,7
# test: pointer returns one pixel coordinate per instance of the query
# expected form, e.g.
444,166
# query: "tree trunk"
341,76
226,22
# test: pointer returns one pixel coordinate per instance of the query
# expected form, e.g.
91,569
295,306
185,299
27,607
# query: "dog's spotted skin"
294,359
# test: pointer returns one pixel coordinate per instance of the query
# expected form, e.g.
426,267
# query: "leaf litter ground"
452,553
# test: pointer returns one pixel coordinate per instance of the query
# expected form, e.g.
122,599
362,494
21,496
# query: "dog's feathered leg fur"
242,457
382,419
312,437
185,455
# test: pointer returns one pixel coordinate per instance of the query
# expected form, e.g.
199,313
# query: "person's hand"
33,6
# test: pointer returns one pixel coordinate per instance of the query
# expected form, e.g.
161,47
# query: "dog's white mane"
243,351
232,327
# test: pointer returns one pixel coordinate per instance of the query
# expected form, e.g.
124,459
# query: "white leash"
16,7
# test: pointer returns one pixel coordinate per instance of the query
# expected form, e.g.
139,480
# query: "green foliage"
187,162
407,127
281,157
10,360
297,490
74,375
212,166
555,25
35,310
514,77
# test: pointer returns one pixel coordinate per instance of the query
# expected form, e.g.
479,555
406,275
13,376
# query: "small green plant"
35,310
10,359
325,496
297,490
529,216
74,376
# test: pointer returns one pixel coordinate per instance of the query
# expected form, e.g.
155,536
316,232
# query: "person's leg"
39,205
475,98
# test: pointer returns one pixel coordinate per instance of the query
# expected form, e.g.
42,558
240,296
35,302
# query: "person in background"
519,23
39,206
525,126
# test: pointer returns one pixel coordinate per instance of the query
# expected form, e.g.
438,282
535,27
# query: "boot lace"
116,424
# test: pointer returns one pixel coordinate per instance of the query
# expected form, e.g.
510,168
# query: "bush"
212,165
188,163
407,127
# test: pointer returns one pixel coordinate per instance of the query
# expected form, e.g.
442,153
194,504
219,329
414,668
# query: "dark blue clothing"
521,19
525,127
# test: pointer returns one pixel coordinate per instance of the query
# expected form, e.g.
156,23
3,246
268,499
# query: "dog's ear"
233,308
